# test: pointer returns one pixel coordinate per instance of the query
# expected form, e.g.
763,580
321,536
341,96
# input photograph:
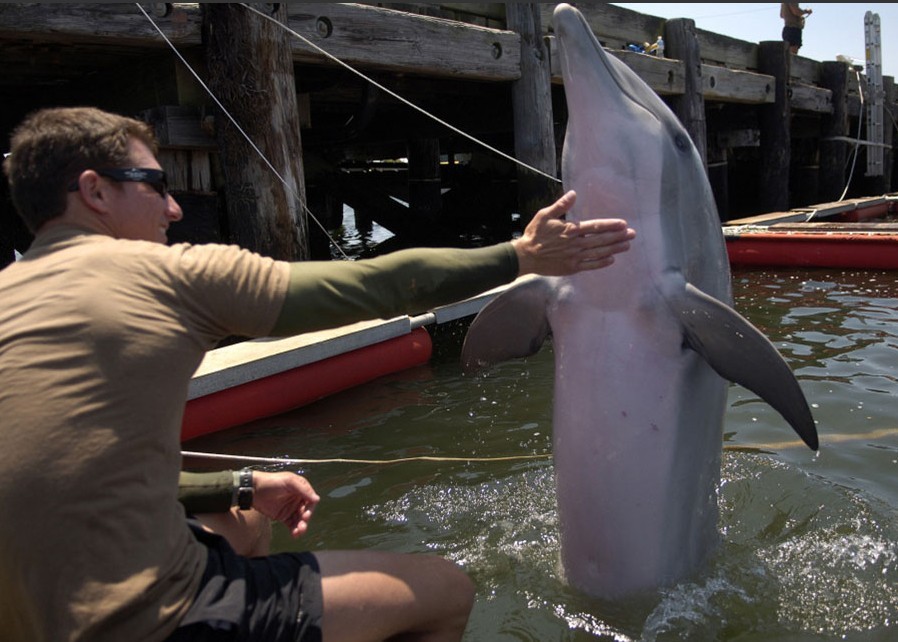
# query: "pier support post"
888,133
534,134
424,184
251,72
883,184
681,44
834,134
774,59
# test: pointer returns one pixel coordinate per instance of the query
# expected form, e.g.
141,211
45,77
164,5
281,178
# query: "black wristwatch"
245,489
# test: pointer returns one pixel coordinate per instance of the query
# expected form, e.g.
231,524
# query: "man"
793,21
101,329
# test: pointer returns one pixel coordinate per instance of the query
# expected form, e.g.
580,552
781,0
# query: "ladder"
874,96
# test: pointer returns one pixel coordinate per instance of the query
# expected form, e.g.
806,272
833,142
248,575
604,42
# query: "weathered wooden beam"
362,35
725,51
614,26
665,76
809,98
110,24
400,42
733,86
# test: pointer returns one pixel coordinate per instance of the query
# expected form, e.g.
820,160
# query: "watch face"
245,497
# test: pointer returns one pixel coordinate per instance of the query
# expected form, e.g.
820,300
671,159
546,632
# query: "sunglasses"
155,178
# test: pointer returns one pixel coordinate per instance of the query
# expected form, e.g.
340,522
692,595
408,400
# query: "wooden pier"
777,131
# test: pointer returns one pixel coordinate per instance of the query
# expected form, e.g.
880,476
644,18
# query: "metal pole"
874,98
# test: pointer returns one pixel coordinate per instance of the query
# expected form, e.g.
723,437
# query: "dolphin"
643,348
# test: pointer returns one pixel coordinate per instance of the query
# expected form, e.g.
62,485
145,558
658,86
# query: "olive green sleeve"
206,492
328,294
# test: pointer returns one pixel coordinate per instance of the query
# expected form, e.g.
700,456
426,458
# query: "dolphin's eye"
681,142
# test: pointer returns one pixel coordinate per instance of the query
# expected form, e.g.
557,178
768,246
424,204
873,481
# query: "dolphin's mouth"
579,46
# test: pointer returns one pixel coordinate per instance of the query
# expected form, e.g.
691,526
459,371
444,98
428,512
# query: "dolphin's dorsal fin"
512,325
738,351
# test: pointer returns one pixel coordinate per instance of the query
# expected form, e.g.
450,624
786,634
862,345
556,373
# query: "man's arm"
328,294
206,492
282,496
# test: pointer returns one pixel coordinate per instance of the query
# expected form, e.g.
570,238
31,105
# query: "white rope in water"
757,448
340,460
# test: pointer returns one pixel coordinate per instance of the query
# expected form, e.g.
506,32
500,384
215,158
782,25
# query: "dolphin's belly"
636,416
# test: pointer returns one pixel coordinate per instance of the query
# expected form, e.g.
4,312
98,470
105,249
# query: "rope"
340,460
286,185
761,448
857,146
402,99
333,58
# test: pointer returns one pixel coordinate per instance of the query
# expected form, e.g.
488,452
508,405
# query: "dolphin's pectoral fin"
739,352
512,325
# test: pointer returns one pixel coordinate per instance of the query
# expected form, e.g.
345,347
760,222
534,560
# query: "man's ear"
93,191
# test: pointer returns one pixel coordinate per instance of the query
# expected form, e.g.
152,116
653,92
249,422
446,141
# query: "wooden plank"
400,42
614,26
667,77
734,86
809,98
362,35
664,75
725,51
120,24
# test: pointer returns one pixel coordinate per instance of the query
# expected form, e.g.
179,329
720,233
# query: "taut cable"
286,185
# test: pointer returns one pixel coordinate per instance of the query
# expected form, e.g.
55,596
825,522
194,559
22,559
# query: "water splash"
801,558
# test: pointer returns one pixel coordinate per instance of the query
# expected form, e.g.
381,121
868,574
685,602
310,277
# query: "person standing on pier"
101,329
793,23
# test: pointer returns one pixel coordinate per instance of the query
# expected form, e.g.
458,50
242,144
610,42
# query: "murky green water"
810,542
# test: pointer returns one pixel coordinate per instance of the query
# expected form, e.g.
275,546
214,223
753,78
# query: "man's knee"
457,583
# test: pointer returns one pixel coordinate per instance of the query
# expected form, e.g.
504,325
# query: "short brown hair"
51,148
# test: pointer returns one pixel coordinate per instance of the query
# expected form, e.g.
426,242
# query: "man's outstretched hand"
554,247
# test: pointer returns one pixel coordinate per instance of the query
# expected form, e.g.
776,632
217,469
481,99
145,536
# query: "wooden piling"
251,72
534,134
834,133
776,139
888,133
424,184
682,44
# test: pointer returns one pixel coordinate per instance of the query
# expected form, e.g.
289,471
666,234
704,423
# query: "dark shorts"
272,599
792,35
